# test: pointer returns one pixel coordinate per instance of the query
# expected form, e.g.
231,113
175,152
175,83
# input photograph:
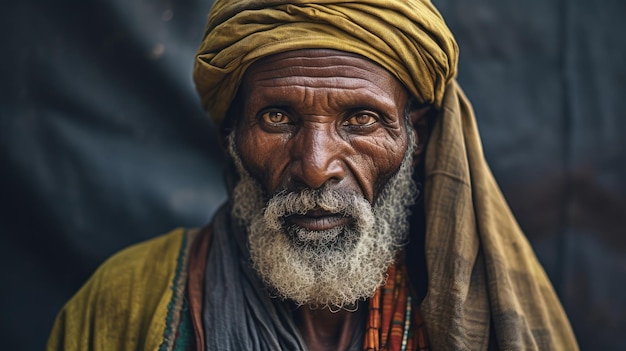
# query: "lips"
317,220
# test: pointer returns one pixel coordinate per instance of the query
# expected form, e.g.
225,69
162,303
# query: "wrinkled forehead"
320,63
315,68
313,57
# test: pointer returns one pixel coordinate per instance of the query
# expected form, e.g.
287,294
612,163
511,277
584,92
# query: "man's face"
320,117
325,160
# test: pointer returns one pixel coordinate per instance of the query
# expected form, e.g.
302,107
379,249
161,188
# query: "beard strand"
335,267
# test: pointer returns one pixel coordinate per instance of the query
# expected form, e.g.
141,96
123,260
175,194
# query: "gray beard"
335,267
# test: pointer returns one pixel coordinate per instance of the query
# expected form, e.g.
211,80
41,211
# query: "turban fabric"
408,38
486,289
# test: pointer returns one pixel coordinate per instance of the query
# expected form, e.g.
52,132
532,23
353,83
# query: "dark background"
103,142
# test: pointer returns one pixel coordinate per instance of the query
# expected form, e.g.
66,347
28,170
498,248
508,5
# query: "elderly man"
361,216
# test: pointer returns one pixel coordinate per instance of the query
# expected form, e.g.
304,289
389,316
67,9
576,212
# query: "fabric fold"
481,267
238,312
408,38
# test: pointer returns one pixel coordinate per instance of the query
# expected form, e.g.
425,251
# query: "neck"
322,329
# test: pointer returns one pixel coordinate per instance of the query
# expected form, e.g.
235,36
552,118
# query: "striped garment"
394,322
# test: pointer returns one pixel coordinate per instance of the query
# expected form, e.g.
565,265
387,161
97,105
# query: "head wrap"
486,289
407,37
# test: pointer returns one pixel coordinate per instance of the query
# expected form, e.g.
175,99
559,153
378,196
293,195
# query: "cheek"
370,160
377,160
263,155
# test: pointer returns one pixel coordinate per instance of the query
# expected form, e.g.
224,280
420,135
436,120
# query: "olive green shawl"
483,277
134,301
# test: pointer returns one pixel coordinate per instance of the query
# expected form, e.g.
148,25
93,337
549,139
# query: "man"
361,215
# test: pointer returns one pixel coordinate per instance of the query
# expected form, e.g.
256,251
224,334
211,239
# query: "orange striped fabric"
394,322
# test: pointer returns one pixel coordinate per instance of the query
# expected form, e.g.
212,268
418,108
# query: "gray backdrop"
103,142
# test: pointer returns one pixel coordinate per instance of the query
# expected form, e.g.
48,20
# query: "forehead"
320,68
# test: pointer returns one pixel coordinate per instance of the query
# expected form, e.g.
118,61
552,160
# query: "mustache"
343,202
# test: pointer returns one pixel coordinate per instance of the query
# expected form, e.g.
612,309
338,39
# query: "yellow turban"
407,37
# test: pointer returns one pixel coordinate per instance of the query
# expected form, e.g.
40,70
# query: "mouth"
317,220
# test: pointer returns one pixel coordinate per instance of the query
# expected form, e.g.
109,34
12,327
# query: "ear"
230,120
420,120
224,132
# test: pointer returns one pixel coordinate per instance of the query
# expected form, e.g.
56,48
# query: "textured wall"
103,143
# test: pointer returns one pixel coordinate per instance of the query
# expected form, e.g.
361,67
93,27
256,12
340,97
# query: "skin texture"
327,117
314,118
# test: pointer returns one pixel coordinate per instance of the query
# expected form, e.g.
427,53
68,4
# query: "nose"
316,158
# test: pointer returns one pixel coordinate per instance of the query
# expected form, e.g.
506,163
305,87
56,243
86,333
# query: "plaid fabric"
394,322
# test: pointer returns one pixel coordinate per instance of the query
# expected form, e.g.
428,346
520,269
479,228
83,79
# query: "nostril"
311,175
297,184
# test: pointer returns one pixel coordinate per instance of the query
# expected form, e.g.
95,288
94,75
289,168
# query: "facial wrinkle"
333,269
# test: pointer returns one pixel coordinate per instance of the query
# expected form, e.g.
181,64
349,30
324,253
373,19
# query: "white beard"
335,267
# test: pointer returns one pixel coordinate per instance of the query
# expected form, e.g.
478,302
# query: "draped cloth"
486,288
484,281
134,301
239,314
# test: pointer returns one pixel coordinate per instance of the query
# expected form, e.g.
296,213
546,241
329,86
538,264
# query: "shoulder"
124,305
145,268
158,255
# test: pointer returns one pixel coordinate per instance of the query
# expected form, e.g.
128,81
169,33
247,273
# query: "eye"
275,118
361,119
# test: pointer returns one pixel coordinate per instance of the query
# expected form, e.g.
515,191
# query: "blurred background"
103,142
